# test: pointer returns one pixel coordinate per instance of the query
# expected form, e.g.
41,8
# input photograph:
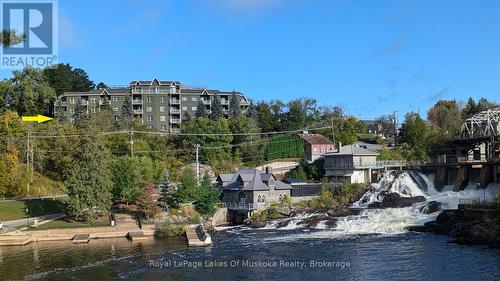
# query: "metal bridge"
481,126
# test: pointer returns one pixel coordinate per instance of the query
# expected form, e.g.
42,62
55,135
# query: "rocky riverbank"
479,229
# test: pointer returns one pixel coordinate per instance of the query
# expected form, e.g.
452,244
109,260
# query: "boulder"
431,207
283,223
394,200
313,220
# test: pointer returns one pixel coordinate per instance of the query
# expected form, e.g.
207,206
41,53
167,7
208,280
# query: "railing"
244,102
368,165
175,130
244,206
101,102
477,203
175,120
85,102
225,102
175,101
136,101
175,111
137,111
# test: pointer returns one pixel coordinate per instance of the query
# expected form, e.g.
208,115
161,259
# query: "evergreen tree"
252,111
216,113
201,111
165,183
127,114
59,111
79,115
234,106
89,185
101,85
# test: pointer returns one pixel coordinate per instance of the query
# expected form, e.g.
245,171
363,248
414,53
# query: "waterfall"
407,185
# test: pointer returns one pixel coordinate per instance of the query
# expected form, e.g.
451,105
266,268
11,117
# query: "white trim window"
163,118
149,118
184,99
72,100
162,109
162,99
194,99
149,109
149,99
115,98
184,108
116,108
194,108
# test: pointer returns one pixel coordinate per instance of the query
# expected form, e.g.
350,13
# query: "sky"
370,57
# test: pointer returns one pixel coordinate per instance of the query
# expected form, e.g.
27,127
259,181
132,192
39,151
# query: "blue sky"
371,57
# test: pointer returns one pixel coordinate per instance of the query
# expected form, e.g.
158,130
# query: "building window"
163,118
263,199
93,100
162,109
72,110
259,199
162,99
94,109
116,109
149,99
193,99
163,127
150,127
115,98
72,100
193,108
149,109
184,108
184,99
117,118
149,118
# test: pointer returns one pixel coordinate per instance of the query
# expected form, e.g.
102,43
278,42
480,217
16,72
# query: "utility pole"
333,133
131,141
28,162
395,128
197,146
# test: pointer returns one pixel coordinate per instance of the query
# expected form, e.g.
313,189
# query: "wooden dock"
81,238
137,236
197,236
15,240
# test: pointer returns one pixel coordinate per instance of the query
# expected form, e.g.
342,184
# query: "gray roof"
150,82
253,180
370,146
111,91
352,150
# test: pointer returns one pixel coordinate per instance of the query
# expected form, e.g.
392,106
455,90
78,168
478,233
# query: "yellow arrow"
39,118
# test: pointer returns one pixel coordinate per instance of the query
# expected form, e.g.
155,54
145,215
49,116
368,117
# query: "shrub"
168,229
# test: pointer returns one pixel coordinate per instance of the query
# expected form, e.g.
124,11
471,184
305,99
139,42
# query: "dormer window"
271,182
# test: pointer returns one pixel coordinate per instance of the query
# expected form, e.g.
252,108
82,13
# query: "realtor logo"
37,21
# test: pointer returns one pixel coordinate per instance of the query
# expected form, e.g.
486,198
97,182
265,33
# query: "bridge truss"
483,125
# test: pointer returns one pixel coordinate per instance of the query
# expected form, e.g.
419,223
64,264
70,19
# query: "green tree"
201,110
31,94
11,37
88,184
129,176
216,113
59,111
101,85
187,190
348,131
234,106
207,197
127,114
79,115
252,112
266,119
250,147
413,137
64,78
446,116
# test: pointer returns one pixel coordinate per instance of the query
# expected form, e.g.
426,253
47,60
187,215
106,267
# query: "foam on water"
388,221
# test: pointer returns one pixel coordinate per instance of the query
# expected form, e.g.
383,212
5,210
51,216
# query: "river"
373,245
236,253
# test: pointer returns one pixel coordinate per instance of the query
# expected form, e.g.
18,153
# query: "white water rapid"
386,221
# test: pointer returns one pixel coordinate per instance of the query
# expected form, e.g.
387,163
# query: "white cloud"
67,32
248,7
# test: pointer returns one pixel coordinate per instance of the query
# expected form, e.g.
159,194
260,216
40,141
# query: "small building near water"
351,164
250,189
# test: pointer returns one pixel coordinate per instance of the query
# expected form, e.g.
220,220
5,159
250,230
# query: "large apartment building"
162,105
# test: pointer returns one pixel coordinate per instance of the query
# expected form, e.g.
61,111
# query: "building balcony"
85,102
103,102
175,130
175,101
366,165
137,111
224,102
244,102
206,102
175,120
63,103
136,101
244,206
136,91
175,111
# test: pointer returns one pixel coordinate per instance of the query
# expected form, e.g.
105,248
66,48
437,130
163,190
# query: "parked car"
1,225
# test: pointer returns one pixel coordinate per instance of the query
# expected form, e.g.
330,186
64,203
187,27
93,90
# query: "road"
14,224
